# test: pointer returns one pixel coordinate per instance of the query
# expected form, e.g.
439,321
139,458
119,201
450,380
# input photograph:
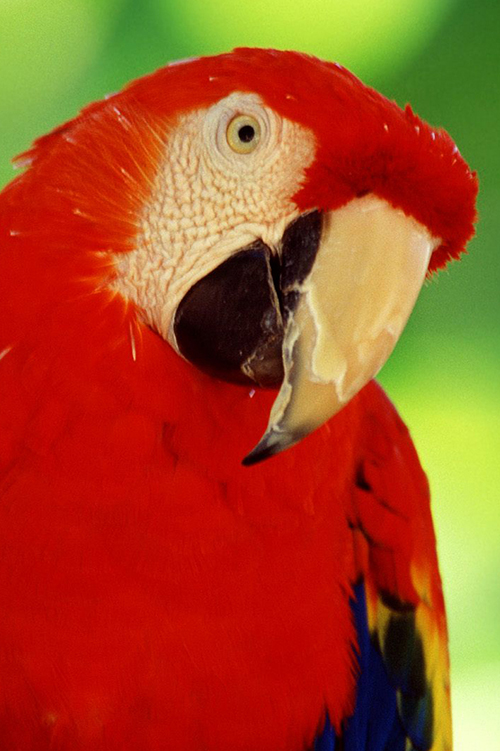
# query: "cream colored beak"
352,308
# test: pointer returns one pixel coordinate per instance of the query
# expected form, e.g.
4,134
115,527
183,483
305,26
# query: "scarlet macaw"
221,229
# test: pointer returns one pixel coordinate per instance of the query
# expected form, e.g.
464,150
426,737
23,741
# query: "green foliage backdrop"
444,57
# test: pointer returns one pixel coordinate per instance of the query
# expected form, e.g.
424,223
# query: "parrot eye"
243,134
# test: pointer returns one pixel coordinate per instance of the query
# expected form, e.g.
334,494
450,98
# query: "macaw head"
286,219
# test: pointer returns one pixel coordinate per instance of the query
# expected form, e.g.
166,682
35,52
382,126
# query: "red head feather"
366,143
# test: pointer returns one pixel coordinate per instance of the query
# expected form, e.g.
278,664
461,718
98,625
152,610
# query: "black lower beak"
231,322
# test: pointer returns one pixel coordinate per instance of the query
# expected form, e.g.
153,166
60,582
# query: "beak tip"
263,450
271,443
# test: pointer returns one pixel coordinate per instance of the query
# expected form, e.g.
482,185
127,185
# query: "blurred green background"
444,57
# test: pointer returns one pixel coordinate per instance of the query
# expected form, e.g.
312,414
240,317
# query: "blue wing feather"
375,724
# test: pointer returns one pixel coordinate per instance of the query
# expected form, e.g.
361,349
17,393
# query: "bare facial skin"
209,200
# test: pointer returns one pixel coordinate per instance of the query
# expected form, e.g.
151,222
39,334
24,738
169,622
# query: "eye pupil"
246,133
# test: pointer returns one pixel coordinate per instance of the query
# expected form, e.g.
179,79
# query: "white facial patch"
208,201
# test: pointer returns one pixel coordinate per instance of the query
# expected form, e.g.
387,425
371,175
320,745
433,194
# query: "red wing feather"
397,556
